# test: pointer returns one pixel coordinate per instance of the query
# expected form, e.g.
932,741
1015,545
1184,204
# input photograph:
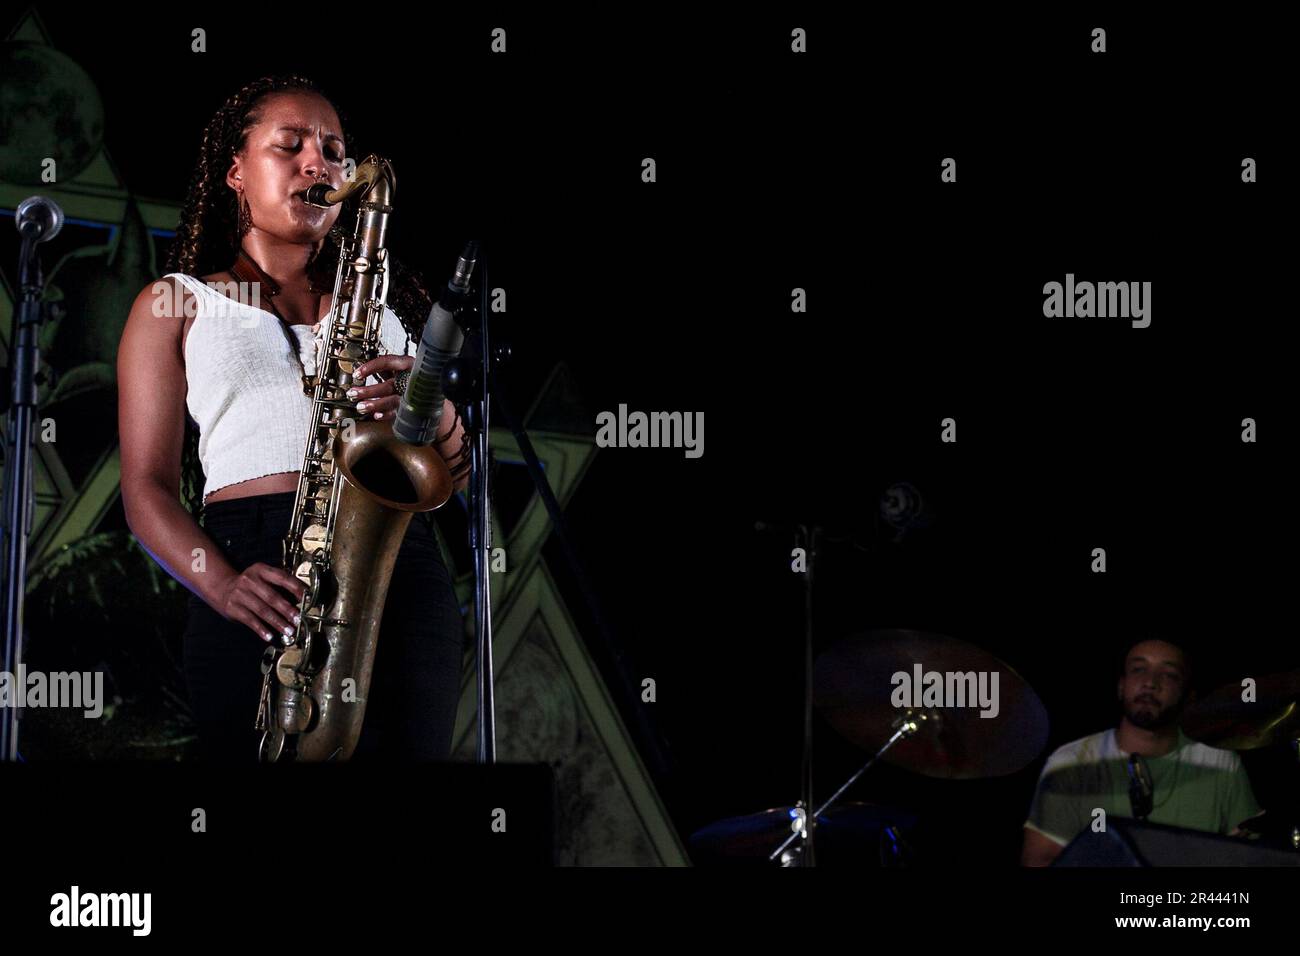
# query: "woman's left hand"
379,401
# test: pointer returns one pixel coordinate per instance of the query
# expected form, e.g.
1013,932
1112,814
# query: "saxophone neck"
374,180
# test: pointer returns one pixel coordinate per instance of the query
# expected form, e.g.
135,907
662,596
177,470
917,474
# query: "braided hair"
207,238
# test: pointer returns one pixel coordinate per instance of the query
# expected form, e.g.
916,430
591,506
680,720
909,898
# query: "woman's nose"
314,164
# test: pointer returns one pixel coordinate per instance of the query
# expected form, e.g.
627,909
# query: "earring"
245,214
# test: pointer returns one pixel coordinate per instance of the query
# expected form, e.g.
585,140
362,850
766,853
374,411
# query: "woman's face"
297,142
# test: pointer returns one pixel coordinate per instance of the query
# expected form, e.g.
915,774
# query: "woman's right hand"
256,597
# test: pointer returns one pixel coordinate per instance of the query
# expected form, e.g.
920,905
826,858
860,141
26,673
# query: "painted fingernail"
379,414
352,393
288,631
361,406
268,636
297,618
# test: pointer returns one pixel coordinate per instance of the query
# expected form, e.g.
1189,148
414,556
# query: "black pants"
415,687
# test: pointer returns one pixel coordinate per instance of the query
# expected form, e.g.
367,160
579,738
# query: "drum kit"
857,686
1267,716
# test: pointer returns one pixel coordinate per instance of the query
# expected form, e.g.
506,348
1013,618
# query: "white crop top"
245,387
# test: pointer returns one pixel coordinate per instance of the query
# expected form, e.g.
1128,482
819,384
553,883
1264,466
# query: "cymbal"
1223,719
854,689
755,835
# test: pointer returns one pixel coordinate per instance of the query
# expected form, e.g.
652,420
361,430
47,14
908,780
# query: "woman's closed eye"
332,157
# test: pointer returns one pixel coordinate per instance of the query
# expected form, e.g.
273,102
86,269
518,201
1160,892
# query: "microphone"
38,219
421,405
903,509
1140,788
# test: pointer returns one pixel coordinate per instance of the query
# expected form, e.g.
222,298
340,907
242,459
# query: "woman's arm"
151,425
451,447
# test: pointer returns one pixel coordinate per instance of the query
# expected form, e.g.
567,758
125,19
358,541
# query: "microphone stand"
20,438
467,381
805,829
808,541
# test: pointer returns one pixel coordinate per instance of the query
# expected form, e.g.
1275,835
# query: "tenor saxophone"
358,490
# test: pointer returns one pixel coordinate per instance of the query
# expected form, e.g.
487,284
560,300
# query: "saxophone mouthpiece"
315,195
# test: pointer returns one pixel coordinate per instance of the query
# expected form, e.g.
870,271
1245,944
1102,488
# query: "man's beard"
1149,716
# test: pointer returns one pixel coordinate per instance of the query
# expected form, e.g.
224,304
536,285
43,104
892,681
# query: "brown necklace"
245,269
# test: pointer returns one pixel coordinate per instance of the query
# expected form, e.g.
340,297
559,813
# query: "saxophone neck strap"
246,270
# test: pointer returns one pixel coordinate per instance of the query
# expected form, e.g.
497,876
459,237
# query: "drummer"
1194,786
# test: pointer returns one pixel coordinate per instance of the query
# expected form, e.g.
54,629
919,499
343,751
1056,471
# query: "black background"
925,301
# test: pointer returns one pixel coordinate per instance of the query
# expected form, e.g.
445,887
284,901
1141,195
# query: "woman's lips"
302,207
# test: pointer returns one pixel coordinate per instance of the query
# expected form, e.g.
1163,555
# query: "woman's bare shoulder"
164,297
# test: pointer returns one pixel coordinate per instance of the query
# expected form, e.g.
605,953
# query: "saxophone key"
313,539
264,699
286,668
271,746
